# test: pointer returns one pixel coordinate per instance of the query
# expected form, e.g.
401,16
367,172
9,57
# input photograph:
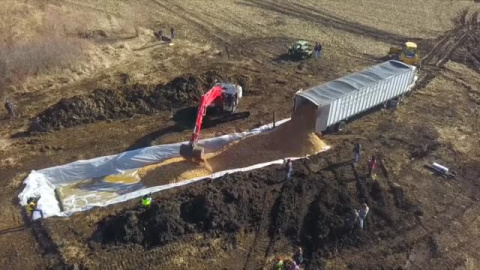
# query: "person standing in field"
362,214
10,107
372,164
172,33
288,169
356,152
146,200
298,256
316,49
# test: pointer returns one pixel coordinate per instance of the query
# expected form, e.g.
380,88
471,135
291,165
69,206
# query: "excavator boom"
191,150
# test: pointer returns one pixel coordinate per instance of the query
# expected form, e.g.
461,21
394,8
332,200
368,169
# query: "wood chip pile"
295,138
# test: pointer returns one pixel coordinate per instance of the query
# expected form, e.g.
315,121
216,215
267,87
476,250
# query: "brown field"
244,42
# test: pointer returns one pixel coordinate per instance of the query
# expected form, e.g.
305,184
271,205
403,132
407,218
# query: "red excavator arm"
207,99
190,150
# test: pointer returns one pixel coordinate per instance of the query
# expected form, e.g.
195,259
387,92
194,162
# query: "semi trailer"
339,100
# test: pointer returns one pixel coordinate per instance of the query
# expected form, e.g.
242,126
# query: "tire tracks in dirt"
318,16
204,27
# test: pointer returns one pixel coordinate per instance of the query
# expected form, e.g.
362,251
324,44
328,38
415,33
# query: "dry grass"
35,42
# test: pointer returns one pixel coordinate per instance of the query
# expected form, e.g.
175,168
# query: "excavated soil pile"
221,208
126,102
315,210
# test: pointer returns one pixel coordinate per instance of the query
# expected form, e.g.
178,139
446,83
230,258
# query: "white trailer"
343,98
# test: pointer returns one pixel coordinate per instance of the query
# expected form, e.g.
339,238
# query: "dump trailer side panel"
368,97
345,97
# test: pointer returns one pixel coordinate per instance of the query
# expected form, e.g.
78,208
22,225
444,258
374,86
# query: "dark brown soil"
127,101
314,210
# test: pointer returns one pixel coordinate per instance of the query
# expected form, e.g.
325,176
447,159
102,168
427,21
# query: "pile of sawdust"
295,138
171,171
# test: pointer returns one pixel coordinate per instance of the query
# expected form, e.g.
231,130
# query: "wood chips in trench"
295,138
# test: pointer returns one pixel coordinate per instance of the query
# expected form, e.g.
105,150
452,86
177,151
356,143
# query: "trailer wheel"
394,103
340,126
331,129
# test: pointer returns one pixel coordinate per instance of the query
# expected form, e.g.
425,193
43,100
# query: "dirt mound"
127,101
315,210
224,208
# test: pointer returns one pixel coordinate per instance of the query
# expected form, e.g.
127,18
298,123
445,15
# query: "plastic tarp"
43,183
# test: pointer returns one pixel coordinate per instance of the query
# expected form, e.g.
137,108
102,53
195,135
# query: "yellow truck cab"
409,54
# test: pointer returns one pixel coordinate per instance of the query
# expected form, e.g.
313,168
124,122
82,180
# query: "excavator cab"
231,95
409,54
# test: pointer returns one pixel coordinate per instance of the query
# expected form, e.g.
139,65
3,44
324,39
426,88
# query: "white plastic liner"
43,183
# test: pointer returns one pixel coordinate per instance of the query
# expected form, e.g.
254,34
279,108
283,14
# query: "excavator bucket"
194,153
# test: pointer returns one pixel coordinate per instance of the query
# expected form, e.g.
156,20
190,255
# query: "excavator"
224,97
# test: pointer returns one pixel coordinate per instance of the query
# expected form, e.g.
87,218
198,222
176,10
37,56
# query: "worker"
36,125
356,152
293,266
279,265
146,200
160,34
317,50
372,164
10,107
362,214
288,169
172,33
32,209
298,256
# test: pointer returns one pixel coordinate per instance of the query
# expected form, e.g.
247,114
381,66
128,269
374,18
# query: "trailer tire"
394,103
340,126
331,129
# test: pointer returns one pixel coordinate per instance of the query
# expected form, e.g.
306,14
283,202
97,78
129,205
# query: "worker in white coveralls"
288,169
362,214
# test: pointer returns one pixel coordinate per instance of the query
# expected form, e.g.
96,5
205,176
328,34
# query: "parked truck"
339,100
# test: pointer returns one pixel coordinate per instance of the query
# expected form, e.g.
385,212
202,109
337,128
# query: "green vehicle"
301,50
